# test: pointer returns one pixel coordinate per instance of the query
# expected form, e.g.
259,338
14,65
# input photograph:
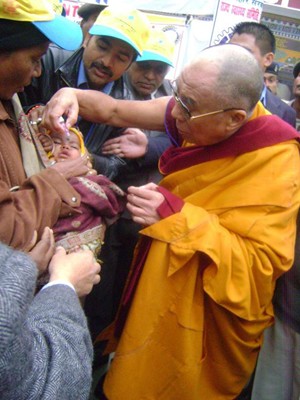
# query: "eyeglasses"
186,110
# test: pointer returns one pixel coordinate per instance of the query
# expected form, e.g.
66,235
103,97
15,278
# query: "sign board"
231,12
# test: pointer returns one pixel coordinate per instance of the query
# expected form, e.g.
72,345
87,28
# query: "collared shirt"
82,82
263,95
59,282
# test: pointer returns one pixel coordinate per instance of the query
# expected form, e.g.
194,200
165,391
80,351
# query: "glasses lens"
184,108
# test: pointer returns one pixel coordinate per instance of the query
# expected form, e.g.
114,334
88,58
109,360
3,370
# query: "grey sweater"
45,346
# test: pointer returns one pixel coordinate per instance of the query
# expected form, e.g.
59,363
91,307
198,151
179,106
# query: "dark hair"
15,35
264,37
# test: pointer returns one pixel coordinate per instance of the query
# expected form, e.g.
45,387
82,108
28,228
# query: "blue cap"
61,31
57,29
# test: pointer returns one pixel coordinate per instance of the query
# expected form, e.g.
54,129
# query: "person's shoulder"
272,98
55,57
17,271
280,108
165,89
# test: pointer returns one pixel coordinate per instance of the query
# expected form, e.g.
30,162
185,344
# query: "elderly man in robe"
219,230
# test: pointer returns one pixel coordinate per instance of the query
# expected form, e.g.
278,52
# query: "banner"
192,7
231,12
185,7
71,8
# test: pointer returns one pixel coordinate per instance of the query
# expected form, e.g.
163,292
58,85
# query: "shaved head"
232,74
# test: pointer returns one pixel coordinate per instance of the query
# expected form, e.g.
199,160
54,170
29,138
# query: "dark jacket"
42,89
61,70
287,293
145,169
278,107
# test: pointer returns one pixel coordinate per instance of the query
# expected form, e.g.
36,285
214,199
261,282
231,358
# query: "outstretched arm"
100,108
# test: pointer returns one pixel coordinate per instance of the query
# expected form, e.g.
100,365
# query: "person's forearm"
38,203
98,107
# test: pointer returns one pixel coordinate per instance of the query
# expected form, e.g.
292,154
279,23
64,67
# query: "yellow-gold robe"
204,297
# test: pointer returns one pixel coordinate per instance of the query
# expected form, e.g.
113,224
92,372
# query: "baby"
101,199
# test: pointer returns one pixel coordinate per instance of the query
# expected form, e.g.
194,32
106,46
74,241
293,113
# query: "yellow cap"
158,48
57,6
57,29
127,24
24,10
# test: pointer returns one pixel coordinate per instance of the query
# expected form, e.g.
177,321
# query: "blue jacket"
278,107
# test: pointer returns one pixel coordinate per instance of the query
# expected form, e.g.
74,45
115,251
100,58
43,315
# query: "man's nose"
150,74
108,60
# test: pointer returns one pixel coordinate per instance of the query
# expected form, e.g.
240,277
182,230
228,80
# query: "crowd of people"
182,195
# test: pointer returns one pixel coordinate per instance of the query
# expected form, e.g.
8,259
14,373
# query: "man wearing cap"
272,82
146,77
116,39
271,77
45,350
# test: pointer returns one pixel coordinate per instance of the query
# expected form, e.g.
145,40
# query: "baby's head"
67,147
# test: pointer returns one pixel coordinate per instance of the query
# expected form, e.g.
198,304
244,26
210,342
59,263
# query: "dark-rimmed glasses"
186,110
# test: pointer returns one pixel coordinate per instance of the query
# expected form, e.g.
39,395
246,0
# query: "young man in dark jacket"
261,42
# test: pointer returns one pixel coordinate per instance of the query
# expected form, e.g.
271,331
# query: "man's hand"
143,202
79,268
132,144
63,103
43,250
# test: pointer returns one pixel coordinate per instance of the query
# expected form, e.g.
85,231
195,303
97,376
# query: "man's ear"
86,40
268,59
236,120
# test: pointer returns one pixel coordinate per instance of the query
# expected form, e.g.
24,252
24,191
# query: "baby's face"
65,147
